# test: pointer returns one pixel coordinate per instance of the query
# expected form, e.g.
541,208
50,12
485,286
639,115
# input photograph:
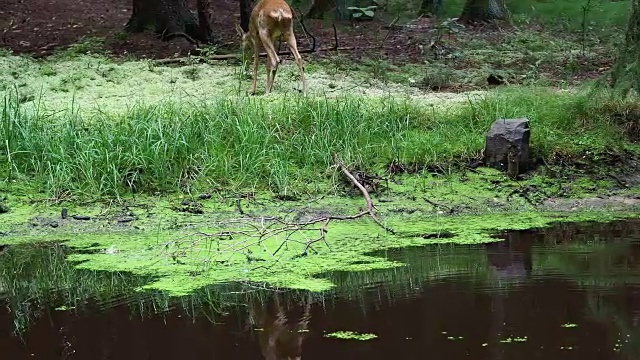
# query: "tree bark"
319,8
484,10
430,7
168,18
245,14
625,75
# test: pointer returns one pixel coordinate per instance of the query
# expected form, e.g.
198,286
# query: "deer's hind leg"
256,62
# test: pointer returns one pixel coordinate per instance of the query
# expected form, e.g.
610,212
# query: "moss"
94,83
350,335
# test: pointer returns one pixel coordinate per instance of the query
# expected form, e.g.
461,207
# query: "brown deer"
269,20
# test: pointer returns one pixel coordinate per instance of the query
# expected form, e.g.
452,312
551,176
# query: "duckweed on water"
351,335
179,263
514,339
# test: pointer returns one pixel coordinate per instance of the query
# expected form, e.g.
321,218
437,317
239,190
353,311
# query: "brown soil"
39,27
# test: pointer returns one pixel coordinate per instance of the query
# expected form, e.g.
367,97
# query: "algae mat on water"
184,260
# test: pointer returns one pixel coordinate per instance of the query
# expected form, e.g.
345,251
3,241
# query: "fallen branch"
167,37
250,232
365,193
449,209
237,56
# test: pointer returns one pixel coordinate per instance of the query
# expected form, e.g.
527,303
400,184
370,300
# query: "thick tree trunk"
625,75
430,7
484,10
168,18
319,8
204,23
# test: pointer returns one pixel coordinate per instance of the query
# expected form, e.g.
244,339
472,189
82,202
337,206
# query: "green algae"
203,261
351,335
172,246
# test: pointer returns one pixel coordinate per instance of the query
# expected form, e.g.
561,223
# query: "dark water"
450,302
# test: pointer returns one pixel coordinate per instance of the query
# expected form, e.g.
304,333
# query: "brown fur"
271,19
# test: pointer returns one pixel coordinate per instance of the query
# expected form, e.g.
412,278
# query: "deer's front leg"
291,41
273,60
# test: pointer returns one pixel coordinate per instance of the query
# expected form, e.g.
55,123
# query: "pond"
571,291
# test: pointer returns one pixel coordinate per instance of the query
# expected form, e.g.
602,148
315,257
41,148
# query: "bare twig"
304,28
365,193
236,56
252,232
390,28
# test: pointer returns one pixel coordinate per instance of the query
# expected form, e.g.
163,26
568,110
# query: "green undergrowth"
598,15
285,145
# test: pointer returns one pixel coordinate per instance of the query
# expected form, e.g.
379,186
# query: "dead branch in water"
251,231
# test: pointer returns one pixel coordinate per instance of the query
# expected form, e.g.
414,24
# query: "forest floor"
459,58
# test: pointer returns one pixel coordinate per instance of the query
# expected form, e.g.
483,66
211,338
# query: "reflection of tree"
36,277
497,324
279,337
620,317
598,255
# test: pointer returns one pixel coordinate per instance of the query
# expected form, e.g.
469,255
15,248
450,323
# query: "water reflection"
280,333
565,292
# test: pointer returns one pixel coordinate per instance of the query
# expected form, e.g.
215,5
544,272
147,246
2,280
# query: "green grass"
601,15
280,145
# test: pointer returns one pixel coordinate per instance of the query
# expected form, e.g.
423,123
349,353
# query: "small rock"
54,224
4,208
81,217
64,213
126,219
185,202
204,196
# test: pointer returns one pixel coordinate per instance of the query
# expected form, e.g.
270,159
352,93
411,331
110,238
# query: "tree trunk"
625,75
245,14
484,10
168,18
430,7
319,8
204,22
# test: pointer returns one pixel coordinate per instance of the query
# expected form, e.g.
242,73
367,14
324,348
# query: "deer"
269,20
